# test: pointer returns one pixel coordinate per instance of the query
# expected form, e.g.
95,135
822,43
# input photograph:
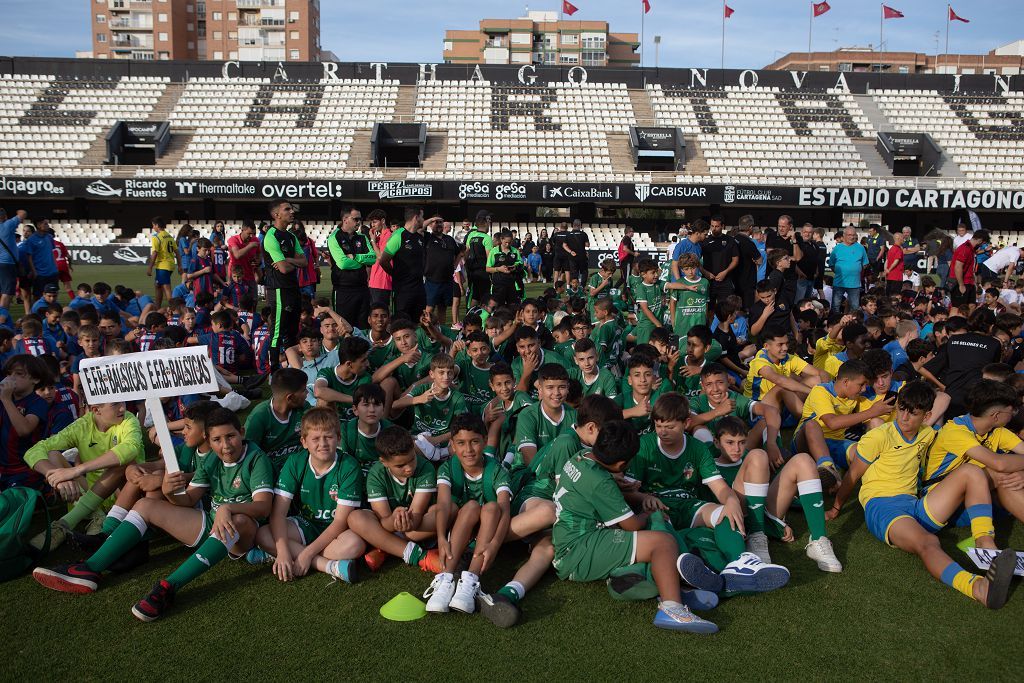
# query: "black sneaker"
498,609
251,394
999,575
88,543
153,606
138,555
253,381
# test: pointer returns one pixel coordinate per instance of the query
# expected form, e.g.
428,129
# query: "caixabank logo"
578,192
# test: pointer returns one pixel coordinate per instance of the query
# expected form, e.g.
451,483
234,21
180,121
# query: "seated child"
22,419
588,371
275,424
335,385
359,435
779,378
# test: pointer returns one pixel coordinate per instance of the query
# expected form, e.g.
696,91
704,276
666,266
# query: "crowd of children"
630,435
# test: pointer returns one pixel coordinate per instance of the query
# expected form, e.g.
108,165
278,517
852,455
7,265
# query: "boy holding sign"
240,482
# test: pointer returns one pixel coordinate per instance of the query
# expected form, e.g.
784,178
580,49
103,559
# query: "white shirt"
960,239
1007,256
1009,297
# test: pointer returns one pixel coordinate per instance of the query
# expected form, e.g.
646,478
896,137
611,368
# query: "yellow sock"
981,527
964,582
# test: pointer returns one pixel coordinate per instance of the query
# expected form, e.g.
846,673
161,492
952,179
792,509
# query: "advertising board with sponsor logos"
481,191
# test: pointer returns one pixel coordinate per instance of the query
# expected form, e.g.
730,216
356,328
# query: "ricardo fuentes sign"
150,376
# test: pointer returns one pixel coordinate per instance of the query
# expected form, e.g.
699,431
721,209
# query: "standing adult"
876,245
1004,259
911,249
894,265
807,264
402,256
9,256
61,257
691,244
721,259
380,279
847,262
283,256
963,269
787,239
40,245
745,275
759,237
627,256
477,246
351,254
244,252
218,230
309,274
440,256
821,249
542,240
163,257
563,259
578,243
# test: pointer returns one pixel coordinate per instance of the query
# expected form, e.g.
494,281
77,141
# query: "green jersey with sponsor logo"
744,408
235,482
466,488
317,496
362,447
382,485
535,428
691,307
604,384
475,385
673,475
277,437
586,499
435,416
329,377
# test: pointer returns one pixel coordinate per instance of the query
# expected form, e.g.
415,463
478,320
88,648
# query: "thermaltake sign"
832,197
645,191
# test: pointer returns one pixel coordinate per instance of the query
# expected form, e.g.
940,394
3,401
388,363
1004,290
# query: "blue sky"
758,33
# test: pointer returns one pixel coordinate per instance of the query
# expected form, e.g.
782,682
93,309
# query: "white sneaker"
440,593
757,543
233,401
748,574
821,552
464,599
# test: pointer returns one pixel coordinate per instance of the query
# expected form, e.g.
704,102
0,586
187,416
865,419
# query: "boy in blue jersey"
230,352
22,417
887,461
32,341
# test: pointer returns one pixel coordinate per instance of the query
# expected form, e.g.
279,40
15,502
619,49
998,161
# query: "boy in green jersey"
240,482
688,296
748,472
274,424
543,421
636,403
400,488
336,385
606,334
323,485
378,333
474,370
563,336
359,435
472,494
596,531
407,368
501,413
685,373
716,401
650,301
593,378
531,357
600,284
108,439
674,472
434,403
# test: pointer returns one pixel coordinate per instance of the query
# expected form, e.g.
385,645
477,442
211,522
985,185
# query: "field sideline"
883,617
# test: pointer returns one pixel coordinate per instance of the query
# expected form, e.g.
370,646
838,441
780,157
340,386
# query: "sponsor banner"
646,193
263,189
402,189
581,192
155,374
880,198
34,187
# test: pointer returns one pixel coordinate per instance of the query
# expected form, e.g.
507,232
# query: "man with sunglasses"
351,255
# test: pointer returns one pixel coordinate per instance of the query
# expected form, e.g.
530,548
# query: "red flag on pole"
821,7
890,13
569,8
728,11
953,16
647,6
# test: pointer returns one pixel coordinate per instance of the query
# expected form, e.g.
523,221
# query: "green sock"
110,524
756,494
86,505
729,541
813,503
511,593
208,554
124,538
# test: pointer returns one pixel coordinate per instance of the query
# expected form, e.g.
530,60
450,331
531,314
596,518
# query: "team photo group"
437,391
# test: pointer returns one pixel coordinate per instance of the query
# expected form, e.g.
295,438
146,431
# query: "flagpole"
810,28
723,33
948,8
643,13
881,34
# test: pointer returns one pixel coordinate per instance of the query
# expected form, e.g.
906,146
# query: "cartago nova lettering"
311,190
912,199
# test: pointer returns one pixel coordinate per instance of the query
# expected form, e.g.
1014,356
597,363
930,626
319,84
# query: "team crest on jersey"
688,471
333,493
237,483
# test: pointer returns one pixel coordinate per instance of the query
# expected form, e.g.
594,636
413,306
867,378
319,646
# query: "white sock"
755,489
809,486
519,588
407,553
118,513
136,520
670,604
470,577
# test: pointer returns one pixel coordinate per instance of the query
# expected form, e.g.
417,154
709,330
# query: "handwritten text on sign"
135,376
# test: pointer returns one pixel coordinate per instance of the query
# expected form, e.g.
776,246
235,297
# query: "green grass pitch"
883,617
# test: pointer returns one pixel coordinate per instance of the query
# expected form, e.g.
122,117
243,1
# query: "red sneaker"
68,578
375,559
431,562
152,607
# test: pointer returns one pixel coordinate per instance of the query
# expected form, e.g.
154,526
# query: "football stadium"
532,352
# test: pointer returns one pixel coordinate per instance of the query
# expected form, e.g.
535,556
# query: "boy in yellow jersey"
779,378
880,364
981,438
855,340
163,257
832,343
887,460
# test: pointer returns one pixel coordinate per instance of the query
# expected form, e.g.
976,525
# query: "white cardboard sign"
151,376
982,558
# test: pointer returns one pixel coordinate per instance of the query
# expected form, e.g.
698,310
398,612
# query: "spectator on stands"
244,250
39,244
847,261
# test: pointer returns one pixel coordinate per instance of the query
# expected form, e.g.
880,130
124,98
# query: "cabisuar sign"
483,192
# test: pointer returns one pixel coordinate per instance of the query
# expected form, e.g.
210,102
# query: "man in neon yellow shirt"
108,439
163,257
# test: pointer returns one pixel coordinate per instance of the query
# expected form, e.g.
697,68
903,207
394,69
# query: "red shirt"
964,254
894,255
249,262
60,256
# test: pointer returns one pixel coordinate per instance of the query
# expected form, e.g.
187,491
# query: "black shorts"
562,263
970,296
